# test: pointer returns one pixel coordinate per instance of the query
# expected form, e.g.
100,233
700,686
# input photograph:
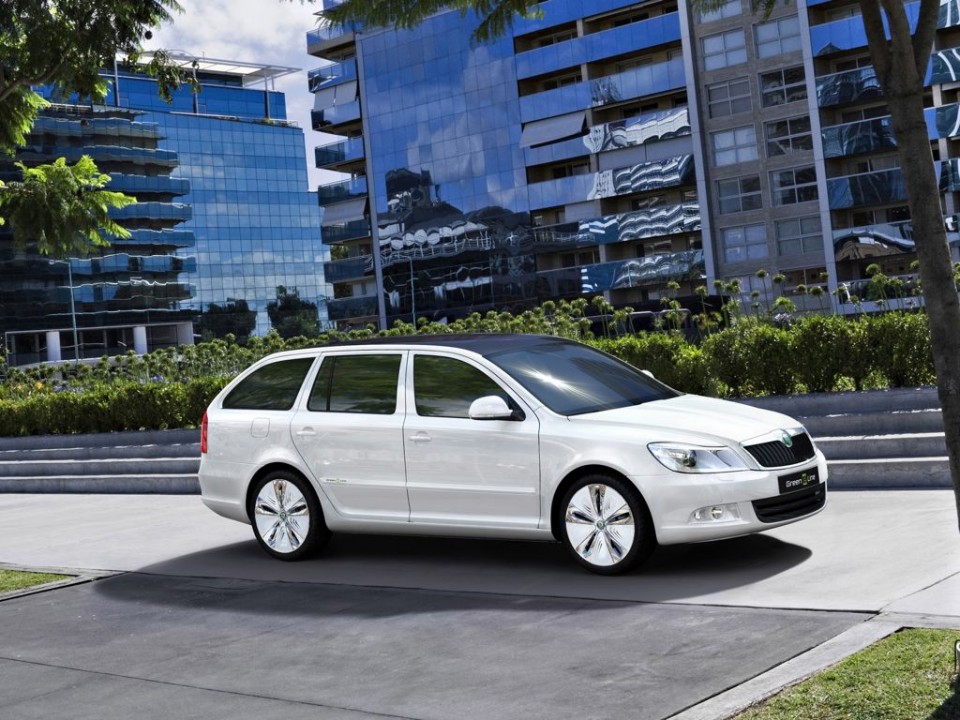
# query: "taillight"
203,435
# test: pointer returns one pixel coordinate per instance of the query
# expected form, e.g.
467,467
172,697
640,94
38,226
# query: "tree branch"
924,35
877,41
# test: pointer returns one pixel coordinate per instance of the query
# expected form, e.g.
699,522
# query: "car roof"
480,343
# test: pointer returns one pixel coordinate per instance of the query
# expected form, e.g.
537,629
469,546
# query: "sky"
269,32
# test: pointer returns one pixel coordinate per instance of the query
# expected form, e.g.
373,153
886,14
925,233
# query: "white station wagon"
507,436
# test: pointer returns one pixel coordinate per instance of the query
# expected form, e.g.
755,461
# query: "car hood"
707,418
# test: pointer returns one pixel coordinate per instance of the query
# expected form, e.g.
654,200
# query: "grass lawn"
18,580
908,675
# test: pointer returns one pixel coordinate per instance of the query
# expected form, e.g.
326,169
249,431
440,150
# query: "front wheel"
606,525
287,518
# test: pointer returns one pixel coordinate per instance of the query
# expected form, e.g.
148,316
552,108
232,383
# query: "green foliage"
121,405
172,386
900,343
820,350
752,358
65,43
495,16
291,316
232,318
63,209
669,356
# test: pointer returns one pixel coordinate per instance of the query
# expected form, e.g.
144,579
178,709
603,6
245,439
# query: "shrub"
901,346
751,358
669,356
820,351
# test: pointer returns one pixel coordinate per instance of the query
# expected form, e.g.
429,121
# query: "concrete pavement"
206,624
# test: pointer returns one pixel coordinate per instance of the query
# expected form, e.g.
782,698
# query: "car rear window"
271,387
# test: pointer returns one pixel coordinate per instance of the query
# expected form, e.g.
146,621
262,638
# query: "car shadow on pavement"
675,573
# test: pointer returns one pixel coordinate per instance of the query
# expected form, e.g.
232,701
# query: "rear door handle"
420,437
306,432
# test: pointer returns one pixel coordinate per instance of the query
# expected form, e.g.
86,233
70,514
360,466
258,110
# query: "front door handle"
420,437
306,432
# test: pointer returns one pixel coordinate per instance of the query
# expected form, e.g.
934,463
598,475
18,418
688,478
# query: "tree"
65,44
63,209
233,317
290,316
900,55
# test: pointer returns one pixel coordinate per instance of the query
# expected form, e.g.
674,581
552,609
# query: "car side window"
445,387
356,384
272,387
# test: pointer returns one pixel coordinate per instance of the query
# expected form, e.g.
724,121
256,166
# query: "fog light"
716,513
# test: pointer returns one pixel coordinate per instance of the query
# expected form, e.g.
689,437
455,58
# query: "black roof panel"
481,343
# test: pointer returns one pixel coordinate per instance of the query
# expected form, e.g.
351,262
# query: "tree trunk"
936,268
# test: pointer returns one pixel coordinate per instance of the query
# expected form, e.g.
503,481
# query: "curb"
74,577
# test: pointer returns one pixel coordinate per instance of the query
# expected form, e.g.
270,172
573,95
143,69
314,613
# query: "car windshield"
573,379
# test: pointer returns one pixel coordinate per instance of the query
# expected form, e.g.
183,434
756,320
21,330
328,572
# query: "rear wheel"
286,517
606,525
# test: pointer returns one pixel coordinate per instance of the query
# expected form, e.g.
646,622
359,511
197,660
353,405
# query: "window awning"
342,212
541,132
336,95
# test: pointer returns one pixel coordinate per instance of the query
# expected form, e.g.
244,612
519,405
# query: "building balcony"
152,184
351,268
850,86
355,187
339,153
344,232
178,212
326,38
353,308
875,188
331,118
332,74
653,270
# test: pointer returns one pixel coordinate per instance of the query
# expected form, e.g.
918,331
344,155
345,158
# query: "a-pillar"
140,340
53,346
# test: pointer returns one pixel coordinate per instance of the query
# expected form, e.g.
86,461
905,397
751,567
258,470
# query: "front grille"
776,454
791,505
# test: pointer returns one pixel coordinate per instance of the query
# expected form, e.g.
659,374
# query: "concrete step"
864,447
117,439
870,401
185,450
168,484
874,423
889,473
131,467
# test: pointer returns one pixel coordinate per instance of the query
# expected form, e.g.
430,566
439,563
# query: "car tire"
605,524
286,516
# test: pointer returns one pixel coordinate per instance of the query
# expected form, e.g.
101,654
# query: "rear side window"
356,384
272,387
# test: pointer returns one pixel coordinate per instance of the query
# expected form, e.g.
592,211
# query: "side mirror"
490,407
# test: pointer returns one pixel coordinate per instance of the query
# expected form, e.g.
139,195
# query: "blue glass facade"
617,147
224,214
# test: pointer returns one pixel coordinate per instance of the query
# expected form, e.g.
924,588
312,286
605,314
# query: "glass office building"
636,150
224,216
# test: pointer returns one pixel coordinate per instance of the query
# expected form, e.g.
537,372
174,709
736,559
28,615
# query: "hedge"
170,388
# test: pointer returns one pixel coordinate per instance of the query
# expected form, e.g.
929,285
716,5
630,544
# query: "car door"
462,471
350,433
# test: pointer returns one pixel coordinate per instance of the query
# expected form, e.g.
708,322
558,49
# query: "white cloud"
267,32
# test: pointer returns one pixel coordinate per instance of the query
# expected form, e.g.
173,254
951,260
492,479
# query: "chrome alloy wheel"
600,525
282,515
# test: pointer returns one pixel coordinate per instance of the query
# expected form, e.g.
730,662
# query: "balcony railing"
346,190
342,232
335,115
348,150
352,308
332,74
351,268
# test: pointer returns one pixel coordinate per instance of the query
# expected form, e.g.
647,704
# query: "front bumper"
755,495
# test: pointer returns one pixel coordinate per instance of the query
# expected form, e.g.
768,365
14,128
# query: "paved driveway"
206,625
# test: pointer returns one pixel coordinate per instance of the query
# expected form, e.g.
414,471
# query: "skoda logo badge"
786,440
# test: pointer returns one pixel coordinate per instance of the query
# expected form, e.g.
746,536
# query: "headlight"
696,459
